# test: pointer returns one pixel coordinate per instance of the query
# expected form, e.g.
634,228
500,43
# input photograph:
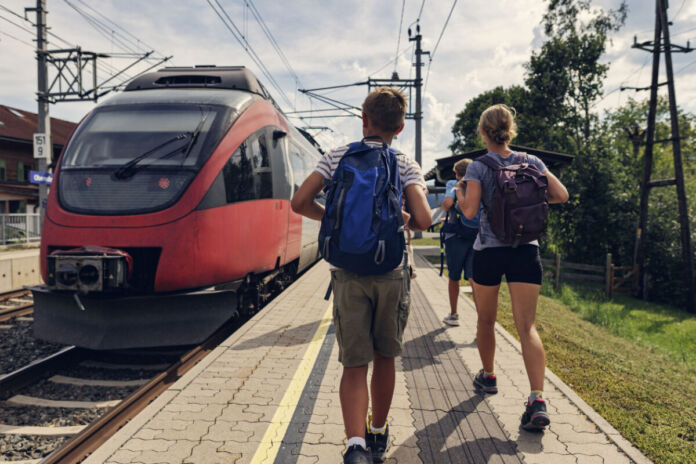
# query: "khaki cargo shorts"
370,314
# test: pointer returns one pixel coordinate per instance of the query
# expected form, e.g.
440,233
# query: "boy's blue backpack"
362,229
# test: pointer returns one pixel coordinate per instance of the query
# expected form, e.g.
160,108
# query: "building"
442,172
17,128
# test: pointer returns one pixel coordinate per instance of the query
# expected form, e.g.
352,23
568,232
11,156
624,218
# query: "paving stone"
208,452
124,456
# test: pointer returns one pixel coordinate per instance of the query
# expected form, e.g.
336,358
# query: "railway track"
88,423
15,303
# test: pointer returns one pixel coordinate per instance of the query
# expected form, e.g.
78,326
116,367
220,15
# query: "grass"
425,241
634,362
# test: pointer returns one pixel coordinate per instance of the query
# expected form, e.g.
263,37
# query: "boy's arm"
469,198
421,217
303,202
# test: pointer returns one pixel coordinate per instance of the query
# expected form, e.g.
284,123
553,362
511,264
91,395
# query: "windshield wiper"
130,168
194,138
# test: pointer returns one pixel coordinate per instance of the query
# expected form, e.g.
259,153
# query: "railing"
588,276
19,228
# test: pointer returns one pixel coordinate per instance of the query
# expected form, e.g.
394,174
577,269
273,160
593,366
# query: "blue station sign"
38,177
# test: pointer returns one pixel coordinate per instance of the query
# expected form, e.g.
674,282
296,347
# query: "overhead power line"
432,54
398,37
239,37
18,40
273,42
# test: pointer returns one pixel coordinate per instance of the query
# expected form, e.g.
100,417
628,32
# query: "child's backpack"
520,210
457,227
362,229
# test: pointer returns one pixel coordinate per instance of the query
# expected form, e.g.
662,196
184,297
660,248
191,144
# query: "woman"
493,258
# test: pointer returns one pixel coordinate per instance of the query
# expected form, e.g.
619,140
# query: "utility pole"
44,118
662,43
418,84
67,85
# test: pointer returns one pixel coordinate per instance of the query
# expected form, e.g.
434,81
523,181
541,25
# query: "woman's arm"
556,191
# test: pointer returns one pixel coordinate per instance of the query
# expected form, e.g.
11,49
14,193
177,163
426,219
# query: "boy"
370,311
459,247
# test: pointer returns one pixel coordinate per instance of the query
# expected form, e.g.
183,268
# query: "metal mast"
660,44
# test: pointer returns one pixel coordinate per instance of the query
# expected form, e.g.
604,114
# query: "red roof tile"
23,127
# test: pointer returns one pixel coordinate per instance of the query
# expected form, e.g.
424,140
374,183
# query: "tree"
465,130
565,77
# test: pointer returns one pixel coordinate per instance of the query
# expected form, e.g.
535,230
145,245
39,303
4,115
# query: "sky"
334,42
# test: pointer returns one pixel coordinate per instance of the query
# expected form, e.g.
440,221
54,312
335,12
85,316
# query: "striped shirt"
409,171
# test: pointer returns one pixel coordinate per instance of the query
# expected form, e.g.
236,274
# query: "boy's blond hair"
498,123
386,108
461,166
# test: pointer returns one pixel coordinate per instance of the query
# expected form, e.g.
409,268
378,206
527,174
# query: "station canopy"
442,172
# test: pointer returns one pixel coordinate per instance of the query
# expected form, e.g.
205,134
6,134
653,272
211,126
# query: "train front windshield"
136,159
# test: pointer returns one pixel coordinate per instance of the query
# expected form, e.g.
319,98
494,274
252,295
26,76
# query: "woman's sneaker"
486,383
356,454
376,442
452,319
535,416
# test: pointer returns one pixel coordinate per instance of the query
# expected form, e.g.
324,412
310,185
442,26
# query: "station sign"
38,177
42,146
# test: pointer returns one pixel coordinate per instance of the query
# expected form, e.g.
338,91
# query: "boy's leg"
453,290
455,255
382,388
352,321
354,400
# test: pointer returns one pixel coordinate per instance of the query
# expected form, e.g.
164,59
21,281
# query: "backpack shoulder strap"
490,162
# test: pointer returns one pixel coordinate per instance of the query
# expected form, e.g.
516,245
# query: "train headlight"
89,275
66,274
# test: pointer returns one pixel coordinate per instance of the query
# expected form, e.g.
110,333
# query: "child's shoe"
356,454
535,416
452,319
486,383
377,443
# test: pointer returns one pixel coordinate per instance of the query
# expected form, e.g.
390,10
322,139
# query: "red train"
170,212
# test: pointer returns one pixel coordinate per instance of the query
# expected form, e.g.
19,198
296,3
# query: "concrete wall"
19,268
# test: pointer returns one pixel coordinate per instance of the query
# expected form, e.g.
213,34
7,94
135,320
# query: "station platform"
269,394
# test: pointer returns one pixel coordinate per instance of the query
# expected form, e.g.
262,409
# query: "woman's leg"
487,310
524,297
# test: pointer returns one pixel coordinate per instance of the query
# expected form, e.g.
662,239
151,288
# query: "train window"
238,176
247,174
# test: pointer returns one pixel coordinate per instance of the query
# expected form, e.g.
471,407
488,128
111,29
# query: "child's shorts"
370,314
521,264
459,253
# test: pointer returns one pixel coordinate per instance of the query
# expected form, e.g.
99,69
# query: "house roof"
442,172
21,125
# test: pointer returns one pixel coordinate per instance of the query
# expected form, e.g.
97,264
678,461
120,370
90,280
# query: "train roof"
209,77
238,100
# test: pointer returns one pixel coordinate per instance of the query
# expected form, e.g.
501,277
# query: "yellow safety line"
271,441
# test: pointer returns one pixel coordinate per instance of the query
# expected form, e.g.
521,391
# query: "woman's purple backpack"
520,209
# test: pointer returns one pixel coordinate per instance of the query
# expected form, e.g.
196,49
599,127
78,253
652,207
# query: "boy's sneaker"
486,383
452,319
376,442
535,416
356,454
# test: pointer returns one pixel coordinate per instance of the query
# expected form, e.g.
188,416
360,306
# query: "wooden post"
608,274
557,283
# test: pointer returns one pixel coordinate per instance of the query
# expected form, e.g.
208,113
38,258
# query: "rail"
92,437
589,276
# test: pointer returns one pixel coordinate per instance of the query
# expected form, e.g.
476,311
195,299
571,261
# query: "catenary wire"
437,44
236,33
398,36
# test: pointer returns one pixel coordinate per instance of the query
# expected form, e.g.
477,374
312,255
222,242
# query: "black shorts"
521,264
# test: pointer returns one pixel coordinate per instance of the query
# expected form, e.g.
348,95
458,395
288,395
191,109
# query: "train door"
282,183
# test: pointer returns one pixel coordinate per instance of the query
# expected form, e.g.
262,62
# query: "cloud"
332,42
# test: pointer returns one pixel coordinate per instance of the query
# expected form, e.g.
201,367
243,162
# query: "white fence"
19,228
